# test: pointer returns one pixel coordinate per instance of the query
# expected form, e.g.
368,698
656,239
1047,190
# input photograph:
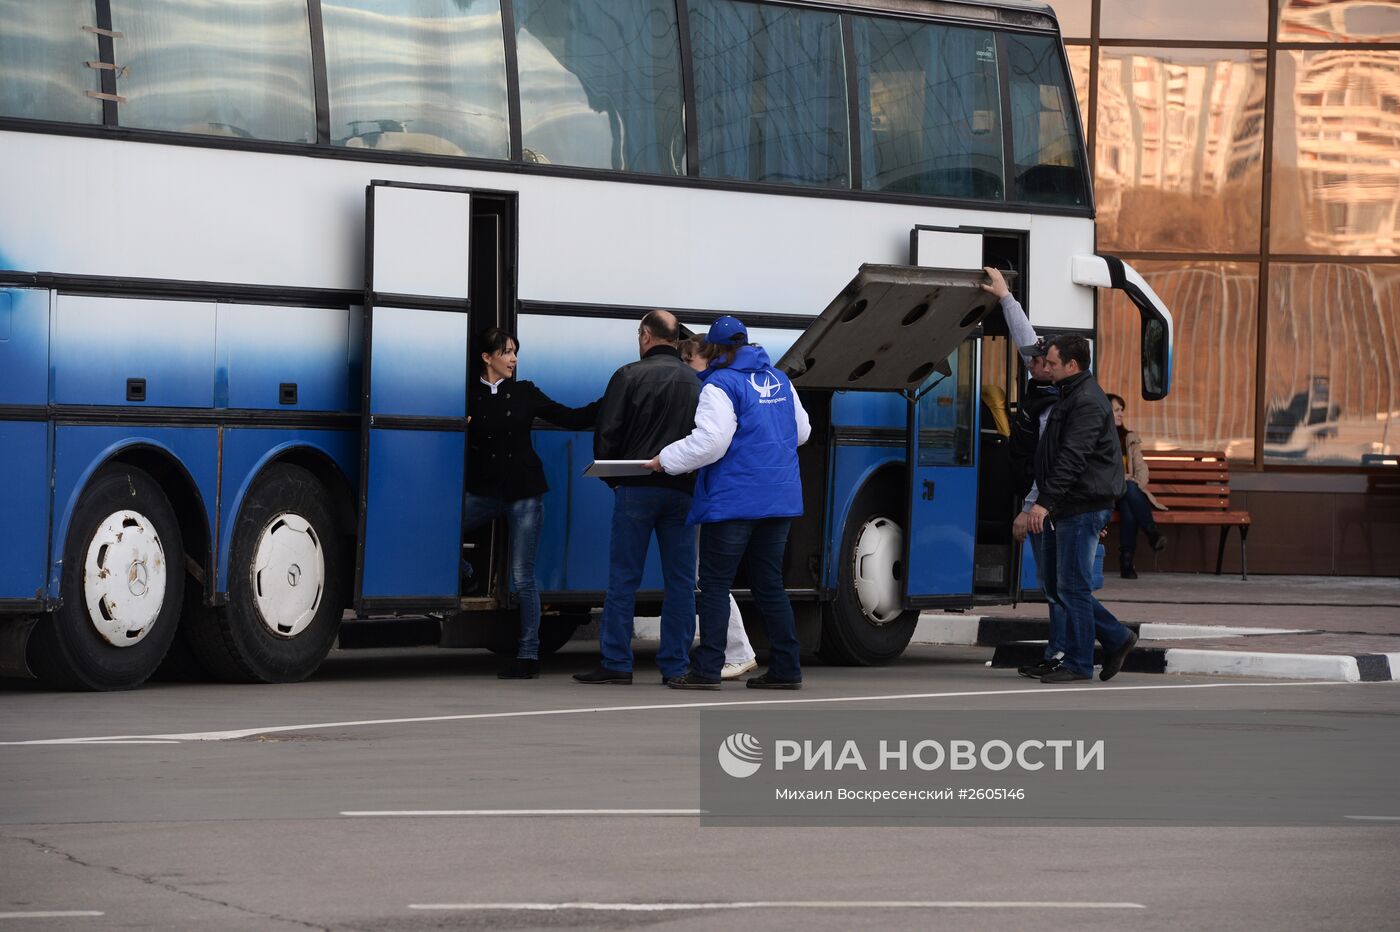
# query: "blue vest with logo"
757,477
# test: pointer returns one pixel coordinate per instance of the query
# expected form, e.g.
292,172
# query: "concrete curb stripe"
1335,668
992,630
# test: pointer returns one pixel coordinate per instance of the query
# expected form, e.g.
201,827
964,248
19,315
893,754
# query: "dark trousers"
524,517
638,513
1072,542
1134,514
759,546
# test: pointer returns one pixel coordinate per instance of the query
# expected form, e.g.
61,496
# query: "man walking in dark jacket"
649,404
1079,475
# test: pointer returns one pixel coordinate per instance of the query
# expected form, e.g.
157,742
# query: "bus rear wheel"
866,624
122,587
286,577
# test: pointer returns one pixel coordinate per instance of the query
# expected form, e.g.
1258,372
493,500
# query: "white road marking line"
415,813
64,914
1375,818
475,716
780,904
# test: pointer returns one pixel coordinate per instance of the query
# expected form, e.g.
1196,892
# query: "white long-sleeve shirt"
715,424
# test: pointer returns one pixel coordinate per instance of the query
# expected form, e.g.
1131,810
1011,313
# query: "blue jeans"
1055,646
1072,541
638,512
524,518
723,546
1134,512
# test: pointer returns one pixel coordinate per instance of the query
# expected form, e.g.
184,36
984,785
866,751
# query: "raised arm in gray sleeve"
1022,333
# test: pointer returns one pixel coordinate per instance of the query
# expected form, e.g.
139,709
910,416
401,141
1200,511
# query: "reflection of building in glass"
1338,21
1341,155
1333,363
1179,149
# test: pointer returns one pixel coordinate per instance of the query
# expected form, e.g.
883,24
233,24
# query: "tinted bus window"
417,75
600,84
1044,139
42,49
770,93
224,69
930,109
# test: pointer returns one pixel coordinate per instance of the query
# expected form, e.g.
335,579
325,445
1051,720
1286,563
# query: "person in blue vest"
748,426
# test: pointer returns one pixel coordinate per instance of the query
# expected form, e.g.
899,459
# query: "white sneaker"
732,671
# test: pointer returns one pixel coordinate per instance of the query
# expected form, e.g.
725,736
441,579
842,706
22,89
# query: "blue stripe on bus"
24,502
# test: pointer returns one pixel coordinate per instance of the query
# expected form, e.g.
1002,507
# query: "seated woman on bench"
1136,505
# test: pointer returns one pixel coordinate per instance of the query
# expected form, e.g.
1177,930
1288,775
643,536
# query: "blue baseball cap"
727,330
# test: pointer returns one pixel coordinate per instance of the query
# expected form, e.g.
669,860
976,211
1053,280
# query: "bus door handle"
928,490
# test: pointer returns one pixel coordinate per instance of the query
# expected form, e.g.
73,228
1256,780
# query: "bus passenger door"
942,462
414,390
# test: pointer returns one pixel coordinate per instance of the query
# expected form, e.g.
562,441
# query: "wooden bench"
1195,486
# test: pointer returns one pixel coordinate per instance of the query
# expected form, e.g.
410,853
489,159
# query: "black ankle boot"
1125,565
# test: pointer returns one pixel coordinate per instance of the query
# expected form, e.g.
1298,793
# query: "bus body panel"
608,242
24,346
245,452
871,410
102,346
573,551
315,350
413,534
80,450
24,501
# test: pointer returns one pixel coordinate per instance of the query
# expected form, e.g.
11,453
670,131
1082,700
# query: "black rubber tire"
232,642
849,638
65,651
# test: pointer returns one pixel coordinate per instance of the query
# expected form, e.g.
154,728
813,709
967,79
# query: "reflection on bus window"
224,69
600,84
930,109
42,49
417,75
770,89
1044,141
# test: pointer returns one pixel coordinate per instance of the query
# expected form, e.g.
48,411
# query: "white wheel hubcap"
124,574
289,572
878,568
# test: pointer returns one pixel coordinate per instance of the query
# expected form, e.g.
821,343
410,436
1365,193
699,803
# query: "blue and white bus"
247,246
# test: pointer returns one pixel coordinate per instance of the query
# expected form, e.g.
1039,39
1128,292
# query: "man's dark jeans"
638,512
1072,541
759,545
1134,512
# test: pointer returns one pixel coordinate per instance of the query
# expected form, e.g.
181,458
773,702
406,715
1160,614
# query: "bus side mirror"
1101,271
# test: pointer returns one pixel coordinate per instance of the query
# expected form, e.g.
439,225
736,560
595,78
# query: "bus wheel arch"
123,581
865,623
288,563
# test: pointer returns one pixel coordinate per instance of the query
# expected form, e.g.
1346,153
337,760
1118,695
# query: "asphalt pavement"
410,789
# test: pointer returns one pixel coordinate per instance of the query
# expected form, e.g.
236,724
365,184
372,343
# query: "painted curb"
1335,668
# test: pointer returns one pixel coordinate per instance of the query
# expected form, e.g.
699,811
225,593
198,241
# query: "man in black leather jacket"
1079,475
649,404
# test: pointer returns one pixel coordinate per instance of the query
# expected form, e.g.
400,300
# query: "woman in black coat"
505,478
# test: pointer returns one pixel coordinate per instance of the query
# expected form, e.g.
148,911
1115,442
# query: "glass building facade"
1246,160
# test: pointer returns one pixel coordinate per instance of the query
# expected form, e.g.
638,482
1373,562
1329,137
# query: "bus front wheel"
866,624
286,580
122,586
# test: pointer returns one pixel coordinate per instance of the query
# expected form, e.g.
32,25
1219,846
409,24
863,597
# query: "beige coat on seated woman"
1137,469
